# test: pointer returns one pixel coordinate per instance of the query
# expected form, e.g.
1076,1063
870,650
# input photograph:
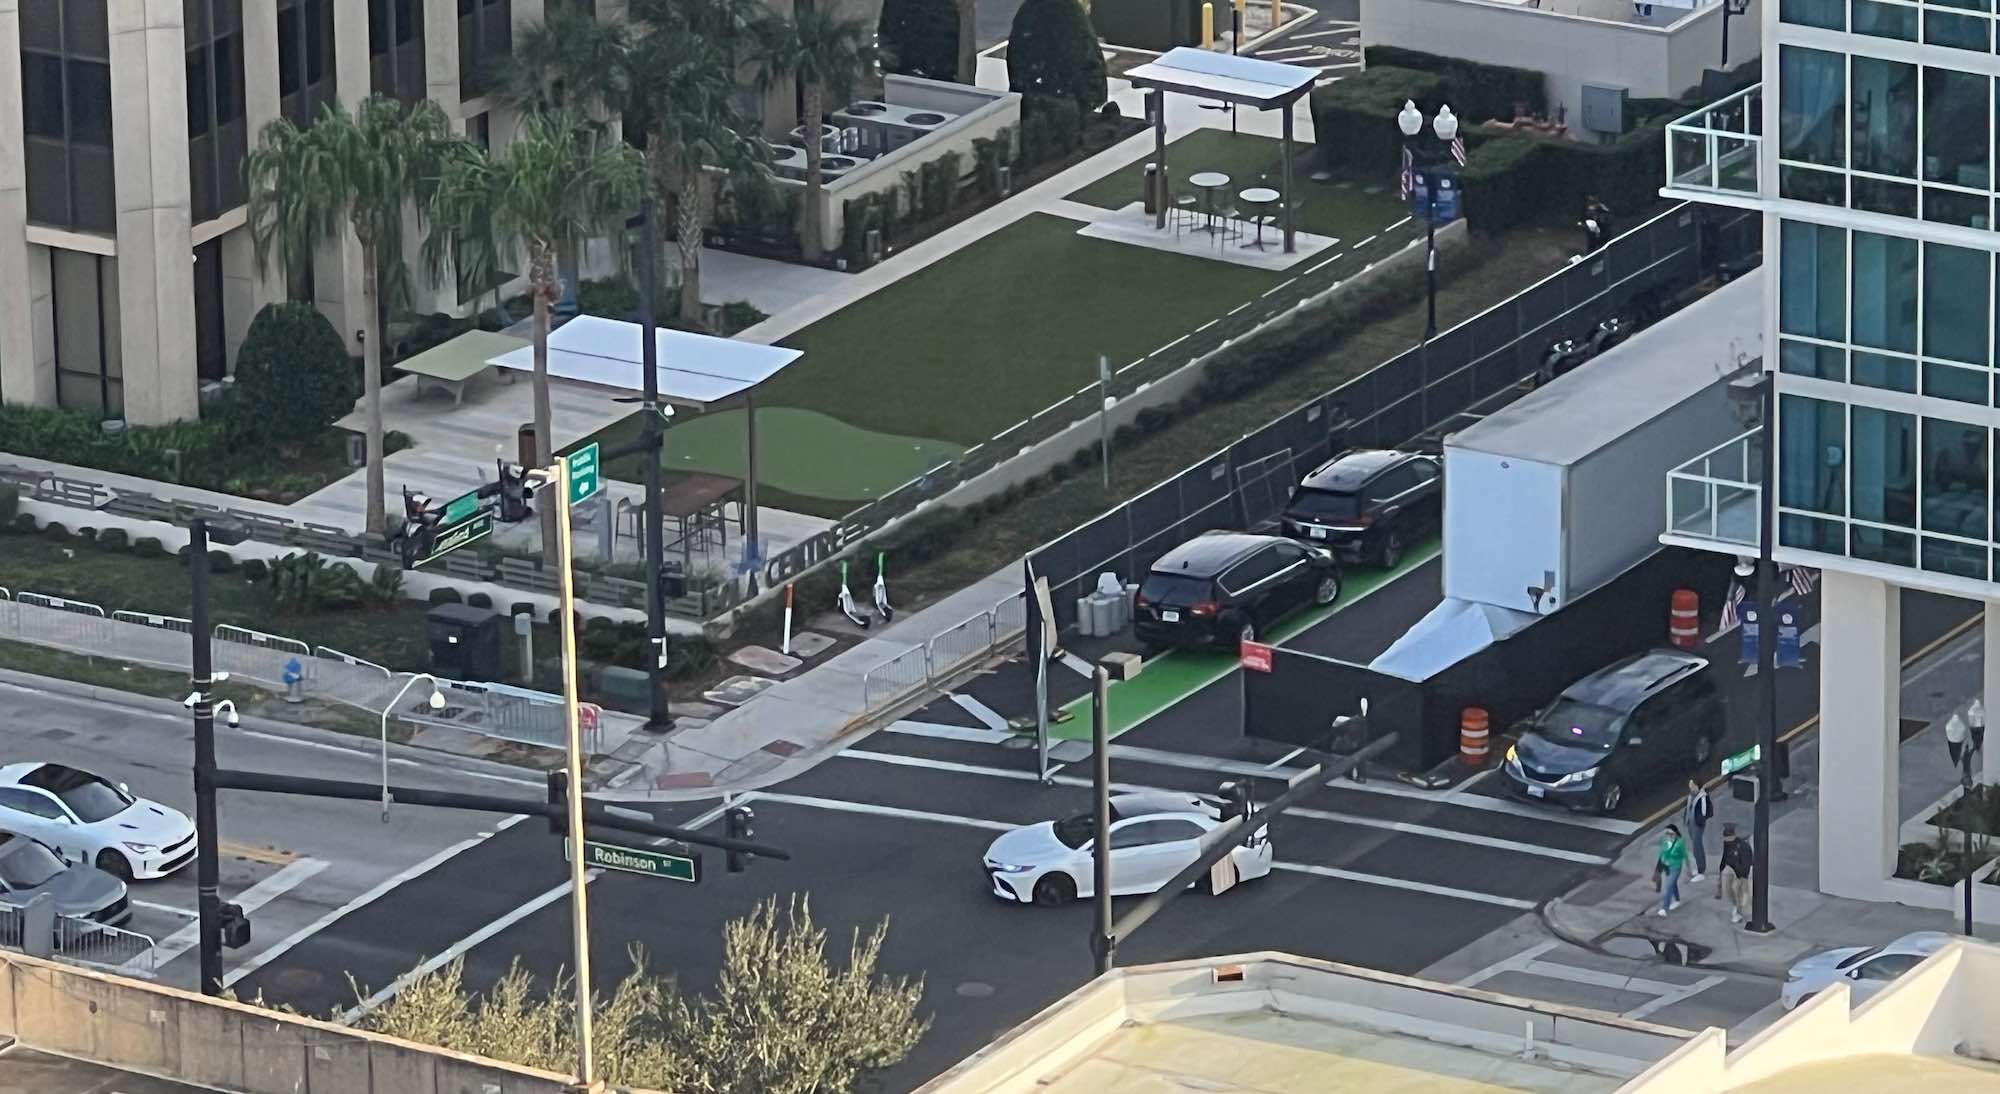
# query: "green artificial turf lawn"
1341,208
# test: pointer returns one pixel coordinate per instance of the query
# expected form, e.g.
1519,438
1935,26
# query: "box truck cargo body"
1565,488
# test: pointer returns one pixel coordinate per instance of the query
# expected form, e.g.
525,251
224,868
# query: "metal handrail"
1736,140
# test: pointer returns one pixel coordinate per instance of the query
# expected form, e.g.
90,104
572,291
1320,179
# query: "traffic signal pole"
653,438
207,868
578,884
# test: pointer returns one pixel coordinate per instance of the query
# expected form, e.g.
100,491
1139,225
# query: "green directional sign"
1731,765
463,507
584,479
453,536
634,860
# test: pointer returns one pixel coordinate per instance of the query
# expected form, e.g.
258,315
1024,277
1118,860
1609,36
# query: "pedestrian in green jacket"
1673,855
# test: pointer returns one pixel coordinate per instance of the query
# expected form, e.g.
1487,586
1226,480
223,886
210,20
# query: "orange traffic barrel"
1684,619
1472,734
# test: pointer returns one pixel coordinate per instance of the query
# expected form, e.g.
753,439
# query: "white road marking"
251,899
941,732
1365,242
1169,346
1207,325
1285,759
1599,978
1077,665
167,908
838,806
1677,996
272,953
1279,286
1241,306
1337,255
456,950
1450,835
1499,805
987,716
1508,964
1163,758
1398,224
1459,791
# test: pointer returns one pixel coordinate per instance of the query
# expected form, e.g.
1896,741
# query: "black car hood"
1554,757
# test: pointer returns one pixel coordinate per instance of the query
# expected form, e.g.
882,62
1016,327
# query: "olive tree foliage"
782,1019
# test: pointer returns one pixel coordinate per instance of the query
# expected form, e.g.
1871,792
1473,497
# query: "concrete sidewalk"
1615,913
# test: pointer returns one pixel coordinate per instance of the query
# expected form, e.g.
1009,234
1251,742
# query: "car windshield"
1075,831
1859,957
25,864
92,800
1174,589
1584,725
1325,504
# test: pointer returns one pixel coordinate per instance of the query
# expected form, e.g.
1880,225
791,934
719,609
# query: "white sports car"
1153,837
1868,969
87,818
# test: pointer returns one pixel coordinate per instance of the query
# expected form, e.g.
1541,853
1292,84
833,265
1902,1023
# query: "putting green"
804,452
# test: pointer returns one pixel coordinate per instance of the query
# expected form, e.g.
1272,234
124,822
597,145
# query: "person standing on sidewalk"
1673,853
1733,880
1695,816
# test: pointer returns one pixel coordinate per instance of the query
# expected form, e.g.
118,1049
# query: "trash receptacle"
1152,195
525,446
465,642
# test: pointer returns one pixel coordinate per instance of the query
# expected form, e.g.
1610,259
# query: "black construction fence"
1467,371
1297,701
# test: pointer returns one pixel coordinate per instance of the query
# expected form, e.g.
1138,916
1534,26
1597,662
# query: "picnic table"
454,364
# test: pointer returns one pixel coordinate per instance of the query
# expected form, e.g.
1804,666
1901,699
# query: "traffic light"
418,534
739,823
1235,800
235,926
515,490
559,801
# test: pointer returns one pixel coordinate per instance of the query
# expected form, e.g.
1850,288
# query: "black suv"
1634,724
1368,505
1225,587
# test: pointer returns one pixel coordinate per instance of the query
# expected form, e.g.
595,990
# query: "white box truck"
1565,488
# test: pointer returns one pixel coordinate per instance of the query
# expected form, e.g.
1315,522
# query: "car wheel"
1055,890
1610,798
1704,747
115,864
1392,550
1327,591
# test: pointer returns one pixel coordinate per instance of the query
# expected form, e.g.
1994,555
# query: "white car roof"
1923,942
1145,802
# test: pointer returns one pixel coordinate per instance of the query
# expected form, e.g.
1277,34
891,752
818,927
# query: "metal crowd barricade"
896,677
240,651
72,624
91,943
10,613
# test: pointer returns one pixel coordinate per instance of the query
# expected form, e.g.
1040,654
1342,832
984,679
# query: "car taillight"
1205,607
1364,520
1140,600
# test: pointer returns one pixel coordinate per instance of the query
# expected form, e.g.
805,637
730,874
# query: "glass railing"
1713,498
1714,149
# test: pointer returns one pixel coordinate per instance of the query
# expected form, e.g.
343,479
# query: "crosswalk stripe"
986,715
1401,883
941,732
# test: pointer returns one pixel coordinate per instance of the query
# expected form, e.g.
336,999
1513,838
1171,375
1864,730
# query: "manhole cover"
974,989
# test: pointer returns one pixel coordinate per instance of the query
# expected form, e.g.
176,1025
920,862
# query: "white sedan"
1153,837
88,818
1867,969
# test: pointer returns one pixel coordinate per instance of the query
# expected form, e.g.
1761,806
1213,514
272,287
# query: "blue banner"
1748,612
1444,207
1788,654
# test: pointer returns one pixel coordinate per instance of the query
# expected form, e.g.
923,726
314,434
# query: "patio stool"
1186,210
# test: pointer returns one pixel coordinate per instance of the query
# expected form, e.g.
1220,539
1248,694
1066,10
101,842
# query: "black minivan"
1368,505
1226,587
1634,724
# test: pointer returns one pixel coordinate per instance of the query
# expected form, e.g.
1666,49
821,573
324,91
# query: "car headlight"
141,848
1007,868
1577,778
1513,761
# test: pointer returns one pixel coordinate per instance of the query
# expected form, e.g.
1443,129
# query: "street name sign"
463,507
463,534
634,860
584,479
1732,764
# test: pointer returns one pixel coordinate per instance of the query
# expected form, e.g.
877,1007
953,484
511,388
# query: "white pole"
786,648
386,711
579,907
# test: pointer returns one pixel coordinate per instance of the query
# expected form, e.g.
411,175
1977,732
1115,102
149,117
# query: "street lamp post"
1767,662
436,703
1411,121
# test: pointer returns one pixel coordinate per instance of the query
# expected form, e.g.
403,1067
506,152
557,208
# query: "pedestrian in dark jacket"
1694,820
1738,859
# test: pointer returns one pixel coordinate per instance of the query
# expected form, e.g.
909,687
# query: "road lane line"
1285,759
1458,791
995,772
986,715
272,953
1194,762
1508,964
1452,835
167,908
1599,978
251,899
1077,665
457,950
1500,805
1679,995
838,806
937,731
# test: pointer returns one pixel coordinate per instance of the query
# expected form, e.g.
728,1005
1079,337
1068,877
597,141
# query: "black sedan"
1226,587
1368,505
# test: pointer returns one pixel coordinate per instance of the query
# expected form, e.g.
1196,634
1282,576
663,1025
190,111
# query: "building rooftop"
26,1069
1272,1022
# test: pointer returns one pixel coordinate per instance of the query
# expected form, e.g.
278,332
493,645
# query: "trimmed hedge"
1478,91
1355,118
1053,50
921,37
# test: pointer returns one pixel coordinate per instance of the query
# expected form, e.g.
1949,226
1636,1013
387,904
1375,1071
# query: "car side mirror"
125,790
1854,974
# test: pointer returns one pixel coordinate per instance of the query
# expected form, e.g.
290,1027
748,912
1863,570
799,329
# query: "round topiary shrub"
220,562
444,594
24,524
920,37
114,539
255,569
86,532
293,377
479,600
148,547
55,530
1052,51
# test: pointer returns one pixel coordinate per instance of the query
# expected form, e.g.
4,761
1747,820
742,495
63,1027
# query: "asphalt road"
291,861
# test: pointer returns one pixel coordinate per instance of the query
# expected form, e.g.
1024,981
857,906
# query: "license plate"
1316,533
1170,617
1536,791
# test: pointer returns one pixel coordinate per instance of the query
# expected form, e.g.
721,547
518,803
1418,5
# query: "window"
396,48
1812,285
1151,833
1885,117
1955,483
1885,20
1957,140
1805,359
1885,292
485,37
1251,570
25,864
1811,454
66,114
1814,13
1955,303
1812,106
1882,477
83,297
305,58
217,141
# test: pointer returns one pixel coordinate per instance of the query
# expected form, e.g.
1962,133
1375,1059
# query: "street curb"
311,735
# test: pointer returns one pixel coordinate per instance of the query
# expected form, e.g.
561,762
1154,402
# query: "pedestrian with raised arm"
1694,817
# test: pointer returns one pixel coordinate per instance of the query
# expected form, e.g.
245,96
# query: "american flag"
1408,180
1802,579
1731,606
1458,150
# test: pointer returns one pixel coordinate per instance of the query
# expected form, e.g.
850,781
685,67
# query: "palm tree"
825,53
670,73
561,180
359,169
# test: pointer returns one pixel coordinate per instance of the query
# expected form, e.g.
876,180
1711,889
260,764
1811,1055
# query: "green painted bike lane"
1173,676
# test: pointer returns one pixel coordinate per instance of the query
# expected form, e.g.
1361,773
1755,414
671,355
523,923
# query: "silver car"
28,869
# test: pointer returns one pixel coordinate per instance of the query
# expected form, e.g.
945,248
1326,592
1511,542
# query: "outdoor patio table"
1258,197
1209,182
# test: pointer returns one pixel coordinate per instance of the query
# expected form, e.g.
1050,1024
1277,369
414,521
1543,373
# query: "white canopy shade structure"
695,370
1245,81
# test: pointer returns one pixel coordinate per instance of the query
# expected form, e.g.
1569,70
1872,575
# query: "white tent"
1450,633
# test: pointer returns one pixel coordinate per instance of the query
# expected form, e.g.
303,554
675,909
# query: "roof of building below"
45,1073
1881,1072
